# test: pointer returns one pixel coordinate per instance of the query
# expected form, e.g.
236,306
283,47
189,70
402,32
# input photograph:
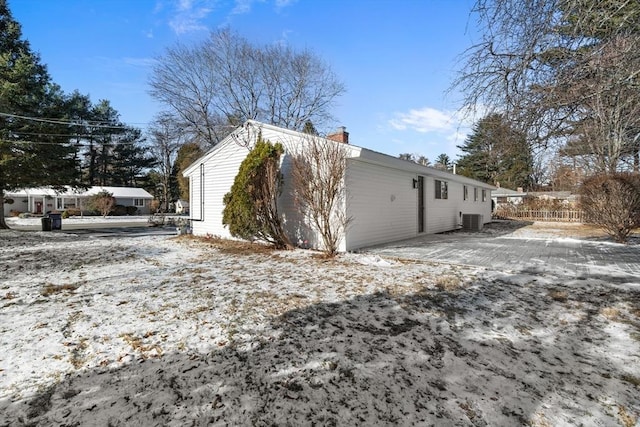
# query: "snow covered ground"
160,330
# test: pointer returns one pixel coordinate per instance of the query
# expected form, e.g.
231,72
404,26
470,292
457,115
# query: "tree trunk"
3,223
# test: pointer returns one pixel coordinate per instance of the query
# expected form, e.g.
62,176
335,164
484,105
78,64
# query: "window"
138,202
465,193
484,195
441,190
475,194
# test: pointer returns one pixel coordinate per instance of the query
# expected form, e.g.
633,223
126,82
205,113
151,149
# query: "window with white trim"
465,193
138,202
475,194
442,189
484,195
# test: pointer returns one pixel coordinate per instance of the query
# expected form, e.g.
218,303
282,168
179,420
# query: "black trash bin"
46,223
56,221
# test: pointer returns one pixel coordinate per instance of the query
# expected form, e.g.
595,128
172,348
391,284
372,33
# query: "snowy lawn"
181,331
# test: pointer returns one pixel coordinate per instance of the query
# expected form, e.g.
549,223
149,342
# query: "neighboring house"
502,196
182,206
564,197
42,200
387,198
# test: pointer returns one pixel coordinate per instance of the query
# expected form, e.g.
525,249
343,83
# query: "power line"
66,122
67,143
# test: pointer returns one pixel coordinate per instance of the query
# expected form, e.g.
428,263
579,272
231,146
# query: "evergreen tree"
494,152
443,162
31,151
251,210
187,154
130,159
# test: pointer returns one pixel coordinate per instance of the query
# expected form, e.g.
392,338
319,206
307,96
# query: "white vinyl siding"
382,203
442,214
217,177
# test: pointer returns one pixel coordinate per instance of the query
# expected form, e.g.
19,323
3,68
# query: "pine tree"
494,152
29,154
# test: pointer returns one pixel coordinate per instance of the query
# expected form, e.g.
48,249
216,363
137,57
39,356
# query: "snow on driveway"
179,331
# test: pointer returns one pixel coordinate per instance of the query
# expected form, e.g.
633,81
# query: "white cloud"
423,120
189,15
436,131
242,7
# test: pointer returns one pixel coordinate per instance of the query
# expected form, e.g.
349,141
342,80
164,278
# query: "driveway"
562,249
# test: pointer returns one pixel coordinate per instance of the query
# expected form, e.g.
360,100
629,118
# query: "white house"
42,200
502,196
387,198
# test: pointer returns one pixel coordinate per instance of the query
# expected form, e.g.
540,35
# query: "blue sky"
397,58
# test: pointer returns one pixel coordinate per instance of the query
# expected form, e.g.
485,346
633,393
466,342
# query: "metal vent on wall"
472,222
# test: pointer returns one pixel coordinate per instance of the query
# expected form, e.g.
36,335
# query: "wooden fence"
540,215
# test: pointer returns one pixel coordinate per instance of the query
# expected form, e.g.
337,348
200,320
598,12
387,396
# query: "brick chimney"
341,135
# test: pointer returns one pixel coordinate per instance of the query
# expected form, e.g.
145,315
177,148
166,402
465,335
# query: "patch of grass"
523,329
539,420
448,283
77,359
50,289
558,295
234,247
627,419
137,344
10,295
611,313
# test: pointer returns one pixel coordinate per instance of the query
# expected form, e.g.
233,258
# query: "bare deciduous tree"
563,70
318,180
219,83
166,137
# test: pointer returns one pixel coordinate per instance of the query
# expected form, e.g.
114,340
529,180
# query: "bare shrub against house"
102,202
318,180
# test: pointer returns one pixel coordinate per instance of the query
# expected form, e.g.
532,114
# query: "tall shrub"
251,208
318,178
102,202
612,202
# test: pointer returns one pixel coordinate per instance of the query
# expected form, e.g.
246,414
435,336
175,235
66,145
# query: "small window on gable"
441,189
475,194
484,195
465,193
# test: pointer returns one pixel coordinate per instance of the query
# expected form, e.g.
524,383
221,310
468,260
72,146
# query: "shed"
387,198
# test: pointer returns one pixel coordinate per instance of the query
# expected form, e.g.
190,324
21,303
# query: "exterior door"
38,207
420,204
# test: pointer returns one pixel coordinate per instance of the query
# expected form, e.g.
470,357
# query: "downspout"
201,189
